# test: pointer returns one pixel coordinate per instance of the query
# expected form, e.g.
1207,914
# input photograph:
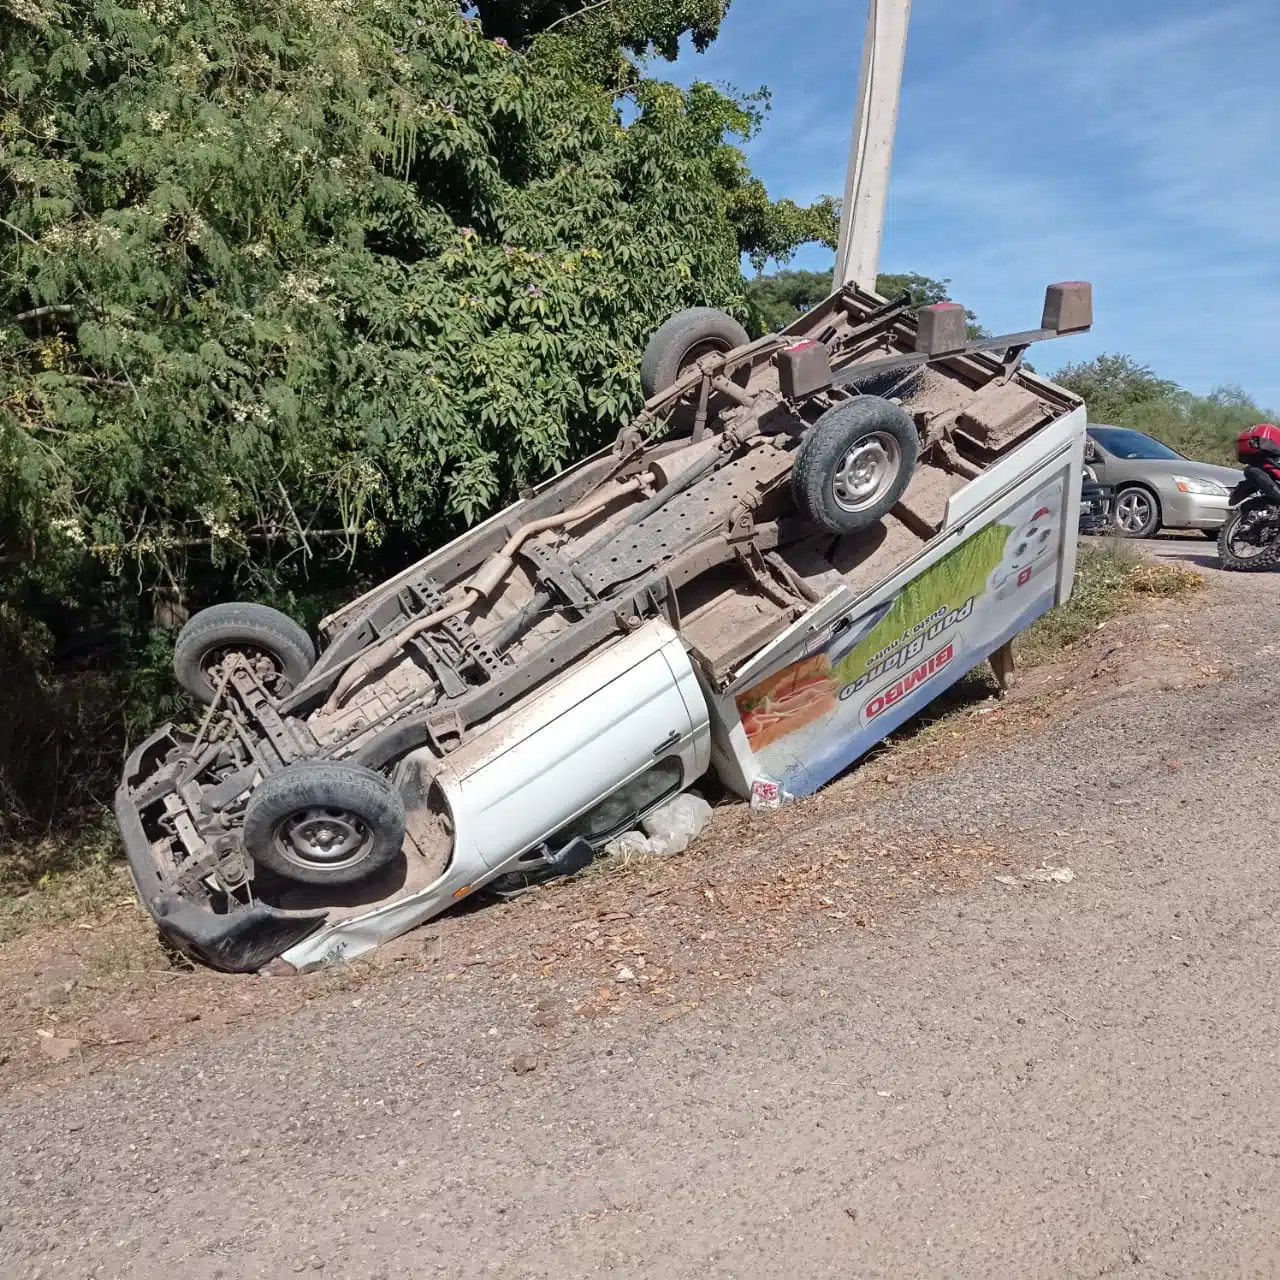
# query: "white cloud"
1181,112
1133,145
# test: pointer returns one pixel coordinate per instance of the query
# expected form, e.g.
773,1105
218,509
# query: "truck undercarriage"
764,476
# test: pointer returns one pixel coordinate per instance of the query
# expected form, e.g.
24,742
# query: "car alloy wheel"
1135,513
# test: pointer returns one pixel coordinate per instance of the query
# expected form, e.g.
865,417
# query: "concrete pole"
871,154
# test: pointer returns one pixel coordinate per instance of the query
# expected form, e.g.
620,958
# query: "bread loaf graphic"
788,700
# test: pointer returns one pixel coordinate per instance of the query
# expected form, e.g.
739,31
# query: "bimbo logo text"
905,685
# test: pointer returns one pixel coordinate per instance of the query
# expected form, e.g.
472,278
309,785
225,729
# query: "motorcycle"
1249,540
1095,506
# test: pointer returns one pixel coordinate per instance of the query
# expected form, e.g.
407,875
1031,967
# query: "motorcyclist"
1258,448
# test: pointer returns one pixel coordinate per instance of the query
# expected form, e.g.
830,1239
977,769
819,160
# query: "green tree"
618,27
285,280
1120,391
277,274
1114,386
778,299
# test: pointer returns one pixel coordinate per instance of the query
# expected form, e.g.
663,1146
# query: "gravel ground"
1057,1079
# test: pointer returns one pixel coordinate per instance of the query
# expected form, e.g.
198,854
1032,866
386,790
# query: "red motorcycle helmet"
1259,444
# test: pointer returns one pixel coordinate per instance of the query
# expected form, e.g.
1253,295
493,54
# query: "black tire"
325,823
267,637
1267,558
882,436
1135,498
684,338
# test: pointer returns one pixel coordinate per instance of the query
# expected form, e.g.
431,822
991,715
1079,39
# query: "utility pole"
871,154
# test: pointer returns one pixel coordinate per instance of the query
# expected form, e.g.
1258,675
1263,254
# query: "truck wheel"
854,463
686,337
275,646
323,822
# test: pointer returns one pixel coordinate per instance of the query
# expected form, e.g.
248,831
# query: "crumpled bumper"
238,941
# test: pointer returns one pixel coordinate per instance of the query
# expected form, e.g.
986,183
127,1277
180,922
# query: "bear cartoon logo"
1029,550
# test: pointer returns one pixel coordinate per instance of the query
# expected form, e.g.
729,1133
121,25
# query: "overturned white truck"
797,544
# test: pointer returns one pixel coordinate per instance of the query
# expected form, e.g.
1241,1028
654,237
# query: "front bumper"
1196,511
241,940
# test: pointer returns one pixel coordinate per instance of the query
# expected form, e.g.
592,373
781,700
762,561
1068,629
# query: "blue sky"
1133,144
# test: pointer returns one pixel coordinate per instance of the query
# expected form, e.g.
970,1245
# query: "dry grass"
48,880
1110,579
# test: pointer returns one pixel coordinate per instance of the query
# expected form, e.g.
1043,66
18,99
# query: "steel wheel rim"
1133,511
867,471
330,838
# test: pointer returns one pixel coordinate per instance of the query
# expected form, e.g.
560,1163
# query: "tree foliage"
1120,391
285,280
275,269
609,34
1115,386
776,300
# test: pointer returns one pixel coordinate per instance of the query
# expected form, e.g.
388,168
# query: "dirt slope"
863,1044
99,990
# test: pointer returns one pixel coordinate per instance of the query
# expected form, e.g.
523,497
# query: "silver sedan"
1155,486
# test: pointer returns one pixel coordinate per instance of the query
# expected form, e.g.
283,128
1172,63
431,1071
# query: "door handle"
669,741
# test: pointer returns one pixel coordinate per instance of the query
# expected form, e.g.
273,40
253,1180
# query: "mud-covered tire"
854,464
322,822
254,630
1267,558
686,337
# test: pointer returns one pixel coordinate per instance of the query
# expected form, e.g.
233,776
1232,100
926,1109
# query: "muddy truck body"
797,544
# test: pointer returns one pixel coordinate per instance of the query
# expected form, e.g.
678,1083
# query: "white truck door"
614,718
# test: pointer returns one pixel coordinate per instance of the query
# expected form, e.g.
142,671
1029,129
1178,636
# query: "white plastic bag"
672,828
768,794
666,831
635,843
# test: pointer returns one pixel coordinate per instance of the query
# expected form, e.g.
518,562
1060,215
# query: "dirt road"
1057,1079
